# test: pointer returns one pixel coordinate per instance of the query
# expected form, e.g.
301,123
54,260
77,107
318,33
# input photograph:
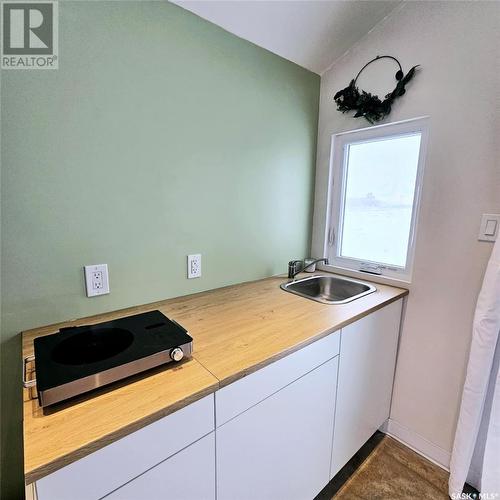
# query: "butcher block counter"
236,330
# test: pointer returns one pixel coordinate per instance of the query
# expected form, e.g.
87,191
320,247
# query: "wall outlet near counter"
96,279
194,266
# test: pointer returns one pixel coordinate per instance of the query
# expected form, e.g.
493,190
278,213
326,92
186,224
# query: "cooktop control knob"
176,353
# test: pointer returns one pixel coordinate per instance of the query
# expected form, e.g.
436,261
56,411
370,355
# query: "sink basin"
329,289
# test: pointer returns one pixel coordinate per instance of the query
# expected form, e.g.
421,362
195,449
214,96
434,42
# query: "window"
376,178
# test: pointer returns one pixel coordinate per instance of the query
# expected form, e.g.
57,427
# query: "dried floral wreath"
368,105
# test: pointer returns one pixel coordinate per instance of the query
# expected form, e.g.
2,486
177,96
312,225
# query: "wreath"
368,105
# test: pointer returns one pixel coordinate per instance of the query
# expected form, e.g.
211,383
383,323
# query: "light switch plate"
490,225
96,279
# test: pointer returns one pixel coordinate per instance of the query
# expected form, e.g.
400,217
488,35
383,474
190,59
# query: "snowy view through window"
379,191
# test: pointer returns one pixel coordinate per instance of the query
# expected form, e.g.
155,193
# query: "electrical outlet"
96,279
194,266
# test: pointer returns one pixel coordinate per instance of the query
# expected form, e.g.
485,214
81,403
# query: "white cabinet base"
366,372
274,433
188,475
107,469
280,448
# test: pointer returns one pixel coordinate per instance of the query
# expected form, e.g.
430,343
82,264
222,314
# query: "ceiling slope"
310,33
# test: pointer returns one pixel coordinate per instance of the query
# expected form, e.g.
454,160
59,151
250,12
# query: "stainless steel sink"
329,289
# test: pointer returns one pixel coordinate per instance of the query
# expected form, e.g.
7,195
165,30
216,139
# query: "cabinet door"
188,475
366,372
246,392
281,447
105,470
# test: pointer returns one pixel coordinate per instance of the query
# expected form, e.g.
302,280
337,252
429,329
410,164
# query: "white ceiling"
310,33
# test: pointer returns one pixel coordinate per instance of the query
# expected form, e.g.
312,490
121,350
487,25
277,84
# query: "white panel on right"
366,373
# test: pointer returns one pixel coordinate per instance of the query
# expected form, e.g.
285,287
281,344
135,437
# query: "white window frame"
336,192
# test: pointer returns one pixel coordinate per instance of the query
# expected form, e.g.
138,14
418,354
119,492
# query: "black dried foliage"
368,105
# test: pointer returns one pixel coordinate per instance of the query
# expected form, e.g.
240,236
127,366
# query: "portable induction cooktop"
78,359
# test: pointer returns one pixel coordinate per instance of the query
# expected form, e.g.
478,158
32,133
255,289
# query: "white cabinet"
248,391
281,447
105,470
267,436
366,372
188,475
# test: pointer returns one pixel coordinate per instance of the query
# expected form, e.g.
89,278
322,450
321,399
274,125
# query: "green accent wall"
159,135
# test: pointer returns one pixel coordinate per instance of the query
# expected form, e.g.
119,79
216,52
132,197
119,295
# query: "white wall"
457,44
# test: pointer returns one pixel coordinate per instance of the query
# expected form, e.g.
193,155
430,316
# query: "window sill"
374,278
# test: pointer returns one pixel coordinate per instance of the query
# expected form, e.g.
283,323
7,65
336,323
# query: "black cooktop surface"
77,352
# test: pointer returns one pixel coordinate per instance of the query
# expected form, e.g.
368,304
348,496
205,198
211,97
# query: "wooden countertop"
236,330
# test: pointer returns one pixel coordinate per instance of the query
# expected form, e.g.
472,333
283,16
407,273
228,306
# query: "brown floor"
394,472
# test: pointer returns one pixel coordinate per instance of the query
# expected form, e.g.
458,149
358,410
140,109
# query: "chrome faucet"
297,266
